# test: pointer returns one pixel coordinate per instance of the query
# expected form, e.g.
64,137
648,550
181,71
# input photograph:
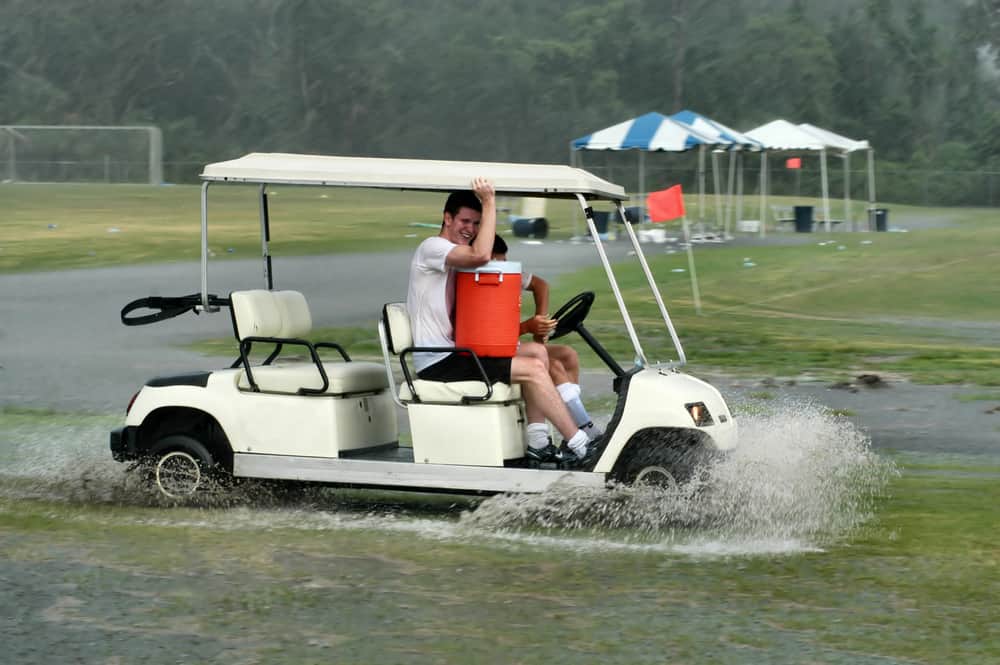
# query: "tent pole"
717,181
739,185
731,203
826,188
576,215
871,187
642,186
763,193
848,222
701,183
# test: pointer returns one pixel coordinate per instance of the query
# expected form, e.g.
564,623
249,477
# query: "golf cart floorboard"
383,472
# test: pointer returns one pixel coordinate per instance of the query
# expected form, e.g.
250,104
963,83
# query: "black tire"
181,467
661,458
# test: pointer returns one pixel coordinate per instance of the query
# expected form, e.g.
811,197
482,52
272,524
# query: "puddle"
800,479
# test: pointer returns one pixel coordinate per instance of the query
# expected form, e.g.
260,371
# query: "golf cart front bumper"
123,443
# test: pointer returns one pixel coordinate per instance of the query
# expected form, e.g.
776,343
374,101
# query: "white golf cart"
334,421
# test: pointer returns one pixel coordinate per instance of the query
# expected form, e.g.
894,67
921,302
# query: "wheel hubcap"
655,476
178,474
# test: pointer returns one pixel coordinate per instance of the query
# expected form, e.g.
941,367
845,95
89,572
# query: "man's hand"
483,189
540,326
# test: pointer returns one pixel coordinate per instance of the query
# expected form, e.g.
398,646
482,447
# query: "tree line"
504,79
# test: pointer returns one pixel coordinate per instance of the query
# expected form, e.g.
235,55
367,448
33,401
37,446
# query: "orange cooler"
488,308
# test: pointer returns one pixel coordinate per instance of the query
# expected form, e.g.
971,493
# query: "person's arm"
540,325
481,249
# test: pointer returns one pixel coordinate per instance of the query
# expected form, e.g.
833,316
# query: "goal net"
81,153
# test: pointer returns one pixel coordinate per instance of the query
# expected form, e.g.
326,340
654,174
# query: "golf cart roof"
544,180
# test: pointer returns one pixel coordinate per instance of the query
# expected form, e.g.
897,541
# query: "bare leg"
542,400
567,357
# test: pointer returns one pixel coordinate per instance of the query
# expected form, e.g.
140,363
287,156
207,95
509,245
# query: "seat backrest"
255,314
263,313
296,320
397,327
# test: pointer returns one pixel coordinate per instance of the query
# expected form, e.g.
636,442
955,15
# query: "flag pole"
694,275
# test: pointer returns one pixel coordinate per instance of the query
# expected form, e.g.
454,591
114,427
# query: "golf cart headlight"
699,414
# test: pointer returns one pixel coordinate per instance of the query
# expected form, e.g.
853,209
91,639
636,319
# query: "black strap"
168,307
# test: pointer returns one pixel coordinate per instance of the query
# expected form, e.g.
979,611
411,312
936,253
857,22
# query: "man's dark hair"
465,198
499,245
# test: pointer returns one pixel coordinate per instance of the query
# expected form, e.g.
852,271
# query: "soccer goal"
81,153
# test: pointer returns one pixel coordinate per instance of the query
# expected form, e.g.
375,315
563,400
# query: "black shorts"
462,367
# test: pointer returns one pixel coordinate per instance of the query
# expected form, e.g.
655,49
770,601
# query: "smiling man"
466,241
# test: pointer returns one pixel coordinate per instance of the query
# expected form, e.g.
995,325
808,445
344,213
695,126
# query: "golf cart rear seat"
282,318
397,339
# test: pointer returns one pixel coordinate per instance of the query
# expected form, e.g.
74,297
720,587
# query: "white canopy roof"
783,135
831,140
549,180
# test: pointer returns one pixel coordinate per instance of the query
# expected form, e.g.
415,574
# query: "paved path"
62,345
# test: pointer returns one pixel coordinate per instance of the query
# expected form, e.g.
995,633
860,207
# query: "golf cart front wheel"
659,458
181,467
178,474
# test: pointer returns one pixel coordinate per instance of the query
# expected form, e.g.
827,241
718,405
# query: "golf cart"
333,420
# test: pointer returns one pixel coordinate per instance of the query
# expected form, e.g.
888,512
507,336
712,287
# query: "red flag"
666,204
793,163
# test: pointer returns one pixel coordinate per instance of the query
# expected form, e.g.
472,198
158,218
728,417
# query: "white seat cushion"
454,391
346,377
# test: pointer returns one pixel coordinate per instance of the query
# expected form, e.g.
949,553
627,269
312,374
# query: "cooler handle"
495,273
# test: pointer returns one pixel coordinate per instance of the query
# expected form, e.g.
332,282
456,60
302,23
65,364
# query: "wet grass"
54,227
917,583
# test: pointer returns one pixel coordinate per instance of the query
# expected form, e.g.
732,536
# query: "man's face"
461,228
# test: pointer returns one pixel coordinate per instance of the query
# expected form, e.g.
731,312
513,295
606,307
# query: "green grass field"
374,579
920,304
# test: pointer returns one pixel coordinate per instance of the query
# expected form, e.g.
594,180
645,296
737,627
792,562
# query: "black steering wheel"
570,316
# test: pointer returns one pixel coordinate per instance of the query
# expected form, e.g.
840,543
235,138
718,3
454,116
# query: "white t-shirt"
430,299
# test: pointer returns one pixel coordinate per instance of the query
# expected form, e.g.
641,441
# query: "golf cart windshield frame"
543,181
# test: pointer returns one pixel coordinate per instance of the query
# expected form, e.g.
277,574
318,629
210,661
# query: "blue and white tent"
738,142
651,132
713,128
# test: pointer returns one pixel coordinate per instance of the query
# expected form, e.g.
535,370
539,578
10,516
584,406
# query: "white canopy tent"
846,146
783,136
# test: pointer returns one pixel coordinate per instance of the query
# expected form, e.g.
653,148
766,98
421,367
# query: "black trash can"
879,219
634,214
803,219
601,221
531,227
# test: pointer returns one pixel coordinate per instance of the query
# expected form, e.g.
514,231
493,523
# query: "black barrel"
803,219
879,219
531,227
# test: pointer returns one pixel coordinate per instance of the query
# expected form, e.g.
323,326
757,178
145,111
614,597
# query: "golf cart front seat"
282,318
397,339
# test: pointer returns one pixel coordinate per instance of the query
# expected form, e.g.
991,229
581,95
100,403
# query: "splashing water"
800,478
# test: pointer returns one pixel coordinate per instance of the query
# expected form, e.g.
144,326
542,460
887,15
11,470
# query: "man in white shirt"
466,241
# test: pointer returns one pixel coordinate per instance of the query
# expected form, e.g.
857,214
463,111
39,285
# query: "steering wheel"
570,316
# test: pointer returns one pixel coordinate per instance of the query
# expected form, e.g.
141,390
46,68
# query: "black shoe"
547,455
585,463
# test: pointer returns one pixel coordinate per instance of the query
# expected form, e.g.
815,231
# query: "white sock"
570,393
578,444
592,431
538,435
